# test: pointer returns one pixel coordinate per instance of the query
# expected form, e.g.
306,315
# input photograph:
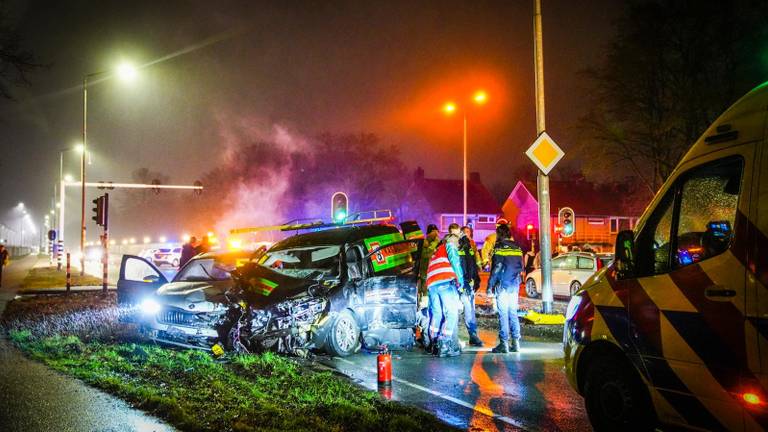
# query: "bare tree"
673,67
16,62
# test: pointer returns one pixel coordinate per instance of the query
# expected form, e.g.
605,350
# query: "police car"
675,331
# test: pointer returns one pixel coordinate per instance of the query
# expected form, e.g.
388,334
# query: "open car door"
138,279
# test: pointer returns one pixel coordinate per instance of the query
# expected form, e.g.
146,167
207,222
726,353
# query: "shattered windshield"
204,269
306,262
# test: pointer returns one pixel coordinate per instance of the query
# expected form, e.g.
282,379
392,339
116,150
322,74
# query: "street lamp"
479,98
125,72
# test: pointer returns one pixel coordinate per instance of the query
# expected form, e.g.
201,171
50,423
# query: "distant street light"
125,72
479,98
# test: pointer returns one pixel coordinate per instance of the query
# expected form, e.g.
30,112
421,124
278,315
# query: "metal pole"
465,170
60,248
82,175
105,247
545,245
69,273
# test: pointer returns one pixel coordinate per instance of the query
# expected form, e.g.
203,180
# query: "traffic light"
529,231
100,211
339,207
567,220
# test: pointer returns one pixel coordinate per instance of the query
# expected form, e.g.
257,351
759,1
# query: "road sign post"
545,154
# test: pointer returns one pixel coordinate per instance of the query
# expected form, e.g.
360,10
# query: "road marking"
452,399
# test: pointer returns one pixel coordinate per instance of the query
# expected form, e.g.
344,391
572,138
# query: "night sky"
307,67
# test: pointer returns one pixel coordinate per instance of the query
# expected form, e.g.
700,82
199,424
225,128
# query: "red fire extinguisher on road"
384,367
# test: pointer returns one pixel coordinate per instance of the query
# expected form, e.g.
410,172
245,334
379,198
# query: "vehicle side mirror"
624,254
151,278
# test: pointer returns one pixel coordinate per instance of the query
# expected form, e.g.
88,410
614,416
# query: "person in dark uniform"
470,261
187,251
4,258
504,284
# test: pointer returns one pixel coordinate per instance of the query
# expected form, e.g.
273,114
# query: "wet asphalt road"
35,398
480,390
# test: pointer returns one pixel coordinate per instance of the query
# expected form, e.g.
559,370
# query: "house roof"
446,196
587,198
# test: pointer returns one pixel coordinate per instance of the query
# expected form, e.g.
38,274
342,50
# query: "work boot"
474,340
514,345
501,348
440,348
448,349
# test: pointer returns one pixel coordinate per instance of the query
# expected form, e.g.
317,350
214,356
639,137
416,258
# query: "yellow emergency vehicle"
675,332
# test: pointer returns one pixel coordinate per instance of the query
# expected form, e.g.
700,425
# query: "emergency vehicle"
675,331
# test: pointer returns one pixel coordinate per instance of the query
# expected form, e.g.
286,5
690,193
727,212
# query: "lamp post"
125,72
479,98
58,189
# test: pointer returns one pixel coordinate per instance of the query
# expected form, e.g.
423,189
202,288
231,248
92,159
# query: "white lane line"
449,398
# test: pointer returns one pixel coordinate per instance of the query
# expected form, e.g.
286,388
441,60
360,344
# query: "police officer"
504,283
489,244
470,261
444,277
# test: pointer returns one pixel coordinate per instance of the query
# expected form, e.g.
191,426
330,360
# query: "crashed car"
186,310
333,290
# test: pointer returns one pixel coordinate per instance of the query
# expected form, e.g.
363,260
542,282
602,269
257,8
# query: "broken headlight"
260,320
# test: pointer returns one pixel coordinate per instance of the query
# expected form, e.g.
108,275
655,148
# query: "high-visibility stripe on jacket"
440,269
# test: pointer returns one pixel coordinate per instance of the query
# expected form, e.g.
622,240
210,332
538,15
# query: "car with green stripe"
333,291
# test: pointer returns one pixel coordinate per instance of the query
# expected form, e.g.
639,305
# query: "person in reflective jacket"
444,277
504,284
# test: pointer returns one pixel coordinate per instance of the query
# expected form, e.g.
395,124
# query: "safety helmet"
501,221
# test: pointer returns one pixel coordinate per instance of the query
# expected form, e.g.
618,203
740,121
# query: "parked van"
675,331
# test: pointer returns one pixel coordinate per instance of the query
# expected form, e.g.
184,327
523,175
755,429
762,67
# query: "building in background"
440,201
601,211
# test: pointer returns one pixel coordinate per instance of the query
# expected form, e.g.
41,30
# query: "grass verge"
49,277
189,388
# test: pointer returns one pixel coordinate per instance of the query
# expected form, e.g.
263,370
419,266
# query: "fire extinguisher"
384,366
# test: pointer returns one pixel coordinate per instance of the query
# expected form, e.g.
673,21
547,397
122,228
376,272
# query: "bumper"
197,335
571,351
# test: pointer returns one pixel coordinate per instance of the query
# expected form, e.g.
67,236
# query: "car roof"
581,254
335,236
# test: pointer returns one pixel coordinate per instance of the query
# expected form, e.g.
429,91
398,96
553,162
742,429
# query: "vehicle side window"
708,201
354,263
653,243
586,263
568,263
138,271
557,262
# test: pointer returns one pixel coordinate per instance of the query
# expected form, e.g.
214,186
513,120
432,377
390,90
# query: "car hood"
194,292
265,287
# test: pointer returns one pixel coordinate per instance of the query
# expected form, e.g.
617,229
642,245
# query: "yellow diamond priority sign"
545,153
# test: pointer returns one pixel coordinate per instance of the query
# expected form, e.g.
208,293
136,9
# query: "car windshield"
306,262
204,269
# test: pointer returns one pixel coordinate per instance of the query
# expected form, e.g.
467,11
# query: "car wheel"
575,286
530,288
344,337
616,398
175,263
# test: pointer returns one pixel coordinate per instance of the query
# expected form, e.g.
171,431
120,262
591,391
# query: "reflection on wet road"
480,390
